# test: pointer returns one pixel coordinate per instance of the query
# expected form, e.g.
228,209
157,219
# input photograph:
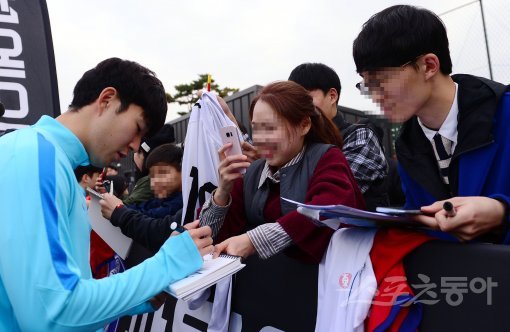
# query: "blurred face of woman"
274,137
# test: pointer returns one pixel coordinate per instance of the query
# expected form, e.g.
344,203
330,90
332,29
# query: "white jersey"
347,281
200,161
199,178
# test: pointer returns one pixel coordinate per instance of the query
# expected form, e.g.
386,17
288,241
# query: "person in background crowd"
142,190
87,177
362,146
164,165
300,161
44,247
104,261
453,145
102,257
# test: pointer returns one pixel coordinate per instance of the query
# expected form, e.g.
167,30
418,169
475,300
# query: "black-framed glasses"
376,84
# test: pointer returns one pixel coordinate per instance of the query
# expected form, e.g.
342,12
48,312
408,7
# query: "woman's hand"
240,245
228,171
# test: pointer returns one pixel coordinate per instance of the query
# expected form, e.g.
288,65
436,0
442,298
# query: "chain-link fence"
476,38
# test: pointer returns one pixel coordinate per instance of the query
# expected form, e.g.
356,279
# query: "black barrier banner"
273,295
28,80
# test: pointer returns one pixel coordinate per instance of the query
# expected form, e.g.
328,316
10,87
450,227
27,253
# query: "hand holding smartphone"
230,134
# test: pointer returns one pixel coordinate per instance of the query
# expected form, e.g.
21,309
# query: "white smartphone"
230,134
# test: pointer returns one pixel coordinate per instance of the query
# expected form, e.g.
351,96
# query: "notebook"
337,215
212,271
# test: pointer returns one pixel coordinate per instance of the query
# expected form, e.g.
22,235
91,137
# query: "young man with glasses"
453,144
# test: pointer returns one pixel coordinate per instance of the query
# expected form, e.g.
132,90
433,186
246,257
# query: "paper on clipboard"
112,235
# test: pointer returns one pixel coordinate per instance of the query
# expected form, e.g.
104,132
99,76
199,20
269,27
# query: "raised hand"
228,171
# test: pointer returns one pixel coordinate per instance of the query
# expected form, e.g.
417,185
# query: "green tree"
187,93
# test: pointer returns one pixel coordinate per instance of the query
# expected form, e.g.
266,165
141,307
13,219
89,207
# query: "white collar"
449,127
267,173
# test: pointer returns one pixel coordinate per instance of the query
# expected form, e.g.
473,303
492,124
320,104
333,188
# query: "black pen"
450,209
174,226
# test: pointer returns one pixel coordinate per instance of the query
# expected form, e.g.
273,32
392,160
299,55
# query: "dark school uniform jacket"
480,162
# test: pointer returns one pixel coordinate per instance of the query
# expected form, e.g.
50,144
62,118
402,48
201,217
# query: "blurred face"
165,180
326,102
400,92
275,139
115,133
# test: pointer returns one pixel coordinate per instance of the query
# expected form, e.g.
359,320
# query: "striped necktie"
443,150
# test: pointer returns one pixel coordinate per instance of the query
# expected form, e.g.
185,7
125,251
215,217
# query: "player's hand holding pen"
464,217
177,228
202,236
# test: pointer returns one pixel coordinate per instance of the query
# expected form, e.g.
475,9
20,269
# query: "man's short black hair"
313,76
134,83
169,154
80,171
400,34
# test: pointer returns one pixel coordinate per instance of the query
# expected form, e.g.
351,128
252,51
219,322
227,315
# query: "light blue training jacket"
45,278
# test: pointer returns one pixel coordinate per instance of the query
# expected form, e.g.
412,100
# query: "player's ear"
105,97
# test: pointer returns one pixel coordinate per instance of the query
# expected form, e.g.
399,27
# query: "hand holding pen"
450,209
202,236
176,227
466,218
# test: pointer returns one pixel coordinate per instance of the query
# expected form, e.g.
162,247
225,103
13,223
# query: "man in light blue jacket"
45,277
